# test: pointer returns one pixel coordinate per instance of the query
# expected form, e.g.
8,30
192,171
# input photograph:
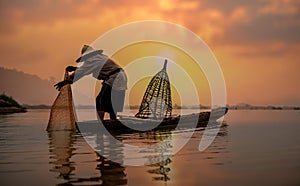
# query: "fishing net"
62,115
157,101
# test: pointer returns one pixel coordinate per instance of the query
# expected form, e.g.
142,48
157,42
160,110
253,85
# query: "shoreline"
11,110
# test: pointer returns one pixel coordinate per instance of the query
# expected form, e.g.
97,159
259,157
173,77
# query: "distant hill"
26,88
246,106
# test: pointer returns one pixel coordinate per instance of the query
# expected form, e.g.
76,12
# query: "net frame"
157,101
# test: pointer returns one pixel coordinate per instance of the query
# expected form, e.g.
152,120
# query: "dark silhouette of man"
111,97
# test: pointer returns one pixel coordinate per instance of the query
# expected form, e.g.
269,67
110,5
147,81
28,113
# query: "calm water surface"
255,148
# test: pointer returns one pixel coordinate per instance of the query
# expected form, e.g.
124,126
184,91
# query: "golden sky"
257,42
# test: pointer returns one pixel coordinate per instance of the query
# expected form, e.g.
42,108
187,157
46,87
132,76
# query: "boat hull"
132,124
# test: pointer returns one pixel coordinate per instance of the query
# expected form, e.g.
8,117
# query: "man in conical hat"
111,97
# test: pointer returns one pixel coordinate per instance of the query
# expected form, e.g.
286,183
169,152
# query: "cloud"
246,22
178,5
52,41
263,29
228,6
257,42
281,7
239,15
215,21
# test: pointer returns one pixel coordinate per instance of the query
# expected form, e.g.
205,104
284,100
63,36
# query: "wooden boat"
133,124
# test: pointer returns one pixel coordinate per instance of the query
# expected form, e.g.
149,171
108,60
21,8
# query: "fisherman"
111,97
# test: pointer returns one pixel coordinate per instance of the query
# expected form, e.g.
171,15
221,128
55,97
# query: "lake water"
257,147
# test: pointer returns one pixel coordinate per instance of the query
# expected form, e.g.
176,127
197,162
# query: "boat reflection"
76,163
161,170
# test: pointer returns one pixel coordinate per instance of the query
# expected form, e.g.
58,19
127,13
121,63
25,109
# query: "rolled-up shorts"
110,100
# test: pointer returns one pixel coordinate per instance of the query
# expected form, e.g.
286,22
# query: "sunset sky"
257,42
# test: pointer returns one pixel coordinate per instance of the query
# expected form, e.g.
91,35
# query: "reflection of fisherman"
111,97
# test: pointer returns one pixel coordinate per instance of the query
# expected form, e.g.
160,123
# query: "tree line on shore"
10,105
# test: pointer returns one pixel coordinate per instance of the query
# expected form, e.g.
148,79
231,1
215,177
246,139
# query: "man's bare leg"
101,114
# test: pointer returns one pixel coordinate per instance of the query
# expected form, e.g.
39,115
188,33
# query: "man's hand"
59,85
70,68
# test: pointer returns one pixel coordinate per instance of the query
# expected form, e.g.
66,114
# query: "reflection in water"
161,170
67,160
62,150
112,173
219,146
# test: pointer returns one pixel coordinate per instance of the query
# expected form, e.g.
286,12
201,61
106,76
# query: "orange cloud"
240,15
284,7
171,5
42,37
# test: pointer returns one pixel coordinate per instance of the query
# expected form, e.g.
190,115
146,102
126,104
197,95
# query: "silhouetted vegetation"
9,105
6,101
